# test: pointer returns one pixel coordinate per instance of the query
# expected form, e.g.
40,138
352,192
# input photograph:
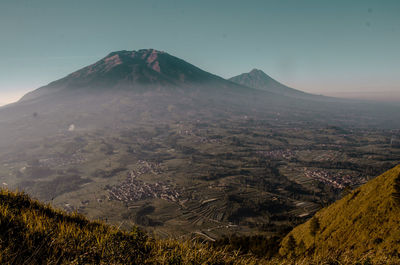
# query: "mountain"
364,224
125,85
259,80
132,70
127,79
134,82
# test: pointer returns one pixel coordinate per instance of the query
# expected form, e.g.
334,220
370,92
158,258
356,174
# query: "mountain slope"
363,224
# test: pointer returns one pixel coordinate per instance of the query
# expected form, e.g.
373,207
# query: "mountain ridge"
362,224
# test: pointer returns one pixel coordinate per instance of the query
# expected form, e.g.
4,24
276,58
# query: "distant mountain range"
152,70
153,81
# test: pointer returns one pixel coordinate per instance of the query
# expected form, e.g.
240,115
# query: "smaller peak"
256,71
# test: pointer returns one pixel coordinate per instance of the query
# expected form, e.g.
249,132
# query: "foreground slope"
364,224
33,233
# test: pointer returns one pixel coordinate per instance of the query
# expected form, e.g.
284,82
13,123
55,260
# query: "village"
133,189
337,180
197,138
277,154
63,161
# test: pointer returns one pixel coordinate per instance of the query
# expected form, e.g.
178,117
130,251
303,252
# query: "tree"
291,245
396,193
314,227
301,247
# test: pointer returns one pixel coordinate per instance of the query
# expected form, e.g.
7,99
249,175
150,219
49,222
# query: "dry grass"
34,233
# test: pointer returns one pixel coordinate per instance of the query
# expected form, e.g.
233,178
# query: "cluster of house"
198,138
339,181
74,159
277,154
133,189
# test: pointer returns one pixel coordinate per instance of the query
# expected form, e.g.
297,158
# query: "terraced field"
201,179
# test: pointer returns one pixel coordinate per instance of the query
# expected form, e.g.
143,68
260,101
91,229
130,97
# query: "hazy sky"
342,48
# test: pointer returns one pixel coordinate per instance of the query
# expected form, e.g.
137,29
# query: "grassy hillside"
33,233
363,226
